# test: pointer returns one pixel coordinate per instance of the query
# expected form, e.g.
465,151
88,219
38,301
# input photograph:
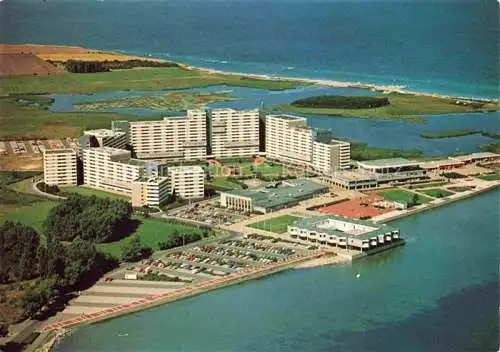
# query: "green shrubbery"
341,102
90,218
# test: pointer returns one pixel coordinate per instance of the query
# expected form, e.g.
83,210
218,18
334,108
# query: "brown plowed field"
65,53
25,65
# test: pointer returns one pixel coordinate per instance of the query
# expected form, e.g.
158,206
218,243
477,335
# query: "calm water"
438,293
376,133
447,47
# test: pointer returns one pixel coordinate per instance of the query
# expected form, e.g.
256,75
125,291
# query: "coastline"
399,89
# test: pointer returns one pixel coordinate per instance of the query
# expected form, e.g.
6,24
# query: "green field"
84,191
448,134
224,183
32,215
490,177
139,79
459,189
150,231
277,225
427,185
174,101
402,106
437,193
404,196
9,177
361,151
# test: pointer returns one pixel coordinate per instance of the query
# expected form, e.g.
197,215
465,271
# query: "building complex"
345,233
59,167
290,140
272,197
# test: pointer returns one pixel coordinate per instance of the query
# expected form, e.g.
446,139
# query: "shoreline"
386,89
50,336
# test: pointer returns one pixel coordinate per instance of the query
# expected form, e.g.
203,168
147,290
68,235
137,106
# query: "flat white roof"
385,163
355,175
102,133
475,156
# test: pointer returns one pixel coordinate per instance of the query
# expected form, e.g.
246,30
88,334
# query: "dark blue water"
447,47
438,293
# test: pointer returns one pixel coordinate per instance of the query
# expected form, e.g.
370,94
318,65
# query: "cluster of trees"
177,240
78,66
341,102
55,268
18,252
90,218
134,251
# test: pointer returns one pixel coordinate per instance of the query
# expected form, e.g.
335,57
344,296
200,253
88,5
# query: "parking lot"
34,147
210,213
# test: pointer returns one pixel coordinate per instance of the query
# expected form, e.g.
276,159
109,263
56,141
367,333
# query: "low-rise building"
187,181
59,167
351,180
266,200
345,232
476,157
395,169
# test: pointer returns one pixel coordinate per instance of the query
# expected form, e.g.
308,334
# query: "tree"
133,251
414,199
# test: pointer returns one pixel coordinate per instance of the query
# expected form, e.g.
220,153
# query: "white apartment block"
59,167
187,181
109,138
328,157
233,133
172,139
288,139
113,170
152,191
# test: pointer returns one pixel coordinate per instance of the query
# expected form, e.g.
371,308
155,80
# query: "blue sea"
445,47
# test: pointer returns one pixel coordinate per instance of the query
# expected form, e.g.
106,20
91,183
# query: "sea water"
437,293
446,47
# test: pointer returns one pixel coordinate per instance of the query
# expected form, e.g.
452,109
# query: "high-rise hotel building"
114,170
289,139
233,133
59,167
171,139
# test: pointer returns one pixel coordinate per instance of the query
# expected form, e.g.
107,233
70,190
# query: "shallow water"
377,133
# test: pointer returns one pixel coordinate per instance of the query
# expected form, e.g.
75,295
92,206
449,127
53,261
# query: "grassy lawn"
404,196
277,225
491,177
459,189
402,106
150,231
427,185
31,215
224,183
139,78
8,177
437,193
84,191
361,151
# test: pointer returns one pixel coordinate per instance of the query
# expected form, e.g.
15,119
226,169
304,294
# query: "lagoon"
376,133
